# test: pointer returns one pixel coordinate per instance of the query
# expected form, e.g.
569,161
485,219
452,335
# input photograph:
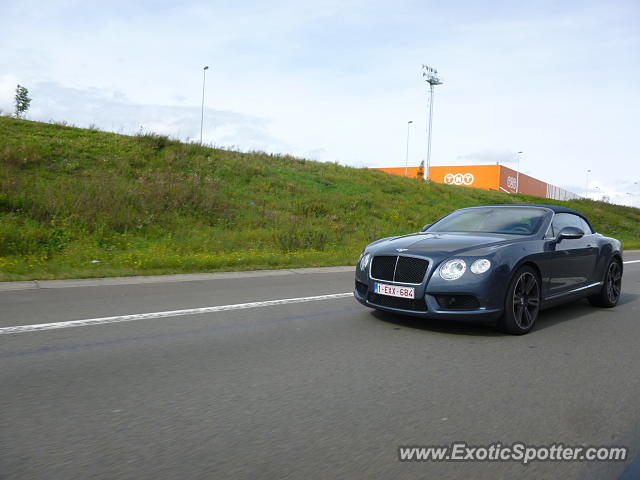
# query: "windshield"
512,221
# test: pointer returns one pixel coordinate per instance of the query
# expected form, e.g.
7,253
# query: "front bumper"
486,290
433,310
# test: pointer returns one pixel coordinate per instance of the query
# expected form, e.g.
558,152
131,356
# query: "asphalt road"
323,389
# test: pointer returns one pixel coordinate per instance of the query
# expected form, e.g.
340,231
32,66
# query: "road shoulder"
189,277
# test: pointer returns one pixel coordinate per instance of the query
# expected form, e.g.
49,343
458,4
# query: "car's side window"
550,231
561,220
585,227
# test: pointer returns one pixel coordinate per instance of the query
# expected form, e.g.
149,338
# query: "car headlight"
453,269
364,261
480,266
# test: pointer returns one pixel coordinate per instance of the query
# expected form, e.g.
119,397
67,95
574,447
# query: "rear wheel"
609,294
522,303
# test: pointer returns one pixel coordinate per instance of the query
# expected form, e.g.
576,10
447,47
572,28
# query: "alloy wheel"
613,282
526,300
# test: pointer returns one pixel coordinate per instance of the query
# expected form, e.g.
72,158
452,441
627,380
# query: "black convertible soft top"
555,208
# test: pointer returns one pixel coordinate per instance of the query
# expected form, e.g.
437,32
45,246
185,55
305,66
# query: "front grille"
399,269
361,288
458,302
383,268
411,270
417,304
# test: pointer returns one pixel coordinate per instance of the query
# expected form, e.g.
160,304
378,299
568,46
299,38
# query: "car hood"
441,245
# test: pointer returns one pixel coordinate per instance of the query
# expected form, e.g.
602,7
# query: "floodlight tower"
430,76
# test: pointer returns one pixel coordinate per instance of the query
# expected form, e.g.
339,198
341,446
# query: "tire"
522,302
609,294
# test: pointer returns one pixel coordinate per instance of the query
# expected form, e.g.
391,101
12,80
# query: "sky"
339,80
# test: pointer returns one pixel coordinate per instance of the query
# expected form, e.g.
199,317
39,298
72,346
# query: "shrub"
294,239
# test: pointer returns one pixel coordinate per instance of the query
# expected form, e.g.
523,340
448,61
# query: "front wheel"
609,294
522,304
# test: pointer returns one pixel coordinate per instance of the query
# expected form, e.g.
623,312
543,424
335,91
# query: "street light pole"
430,76
204,78
406,162
518,174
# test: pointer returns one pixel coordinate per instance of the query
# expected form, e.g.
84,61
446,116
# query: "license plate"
394,290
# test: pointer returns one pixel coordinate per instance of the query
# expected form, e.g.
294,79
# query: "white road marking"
171,313
174,313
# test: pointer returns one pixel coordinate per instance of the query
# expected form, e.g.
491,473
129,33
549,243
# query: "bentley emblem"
402,249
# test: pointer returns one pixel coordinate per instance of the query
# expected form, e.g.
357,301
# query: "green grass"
85,203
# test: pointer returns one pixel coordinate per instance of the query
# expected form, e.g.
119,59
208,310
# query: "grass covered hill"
86,203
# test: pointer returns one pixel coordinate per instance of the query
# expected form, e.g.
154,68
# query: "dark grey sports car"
499,263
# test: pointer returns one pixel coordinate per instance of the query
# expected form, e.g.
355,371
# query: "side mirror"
426,227
569,233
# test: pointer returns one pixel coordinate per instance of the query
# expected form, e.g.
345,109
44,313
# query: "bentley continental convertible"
500,263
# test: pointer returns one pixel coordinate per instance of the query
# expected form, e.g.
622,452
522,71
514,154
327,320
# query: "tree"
22,101
420,172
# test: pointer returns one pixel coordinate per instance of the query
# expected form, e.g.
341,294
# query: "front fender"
492,286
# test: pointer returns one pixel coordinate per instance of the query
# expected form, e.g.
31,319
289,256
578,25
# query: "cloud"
620,191
8,85
112,111
488,157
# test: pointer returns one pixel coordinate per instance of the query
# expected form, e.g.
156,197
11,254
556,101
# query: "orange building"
488,177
